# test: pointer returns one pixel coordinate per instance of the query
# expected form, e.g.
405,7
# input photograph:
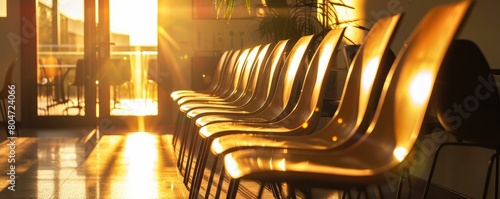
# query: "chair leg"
212,174
233,188
493,160
221,181
200,165
496,173
433,166
178,126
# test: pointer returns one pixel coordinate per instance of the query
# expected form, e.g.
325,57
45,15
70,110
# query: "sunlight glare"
400,153
141,155
369,73
420,87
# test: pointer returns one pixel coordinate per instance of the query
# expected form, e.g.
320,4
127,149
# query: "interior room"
249,99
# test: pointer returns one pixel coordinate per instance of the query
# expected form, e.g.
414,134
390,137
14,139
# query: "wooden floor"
67,164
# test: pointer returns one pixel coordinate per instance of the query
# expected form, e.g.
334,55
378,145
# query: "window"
3,8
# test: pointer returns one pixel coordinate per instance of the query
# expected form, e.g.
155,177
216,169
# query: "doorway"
95,60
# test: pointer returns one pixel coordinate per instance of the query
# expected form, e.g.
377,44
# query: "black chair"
79,83
467,82
4,97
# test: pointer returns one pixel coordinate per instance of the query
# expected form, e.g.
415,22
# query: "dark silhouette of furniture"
4,97
79,83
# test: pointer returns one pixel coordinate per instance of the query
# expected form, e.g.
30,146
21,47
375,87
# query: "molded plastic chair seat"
214,86
284,72
358,103
305,115
224,74
241,70
247,86
392,133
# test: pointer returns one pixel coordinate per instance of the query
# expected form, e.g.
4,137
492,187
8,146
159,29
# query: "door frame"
28,53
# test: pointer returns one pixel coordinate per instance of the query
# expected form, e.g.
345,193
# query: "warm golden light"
369,73
141,156
231,166
216,147
420,87
334,138
296,62
282,164
138,19
400,153
305,125
340,120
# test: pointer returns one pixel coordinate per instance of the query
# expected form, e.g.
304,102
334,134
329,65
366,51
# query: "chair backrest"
234,70
255,75
266,81
284,87
79,73
407,90
364,82
227,78
306,112
465,97
243,74
219,72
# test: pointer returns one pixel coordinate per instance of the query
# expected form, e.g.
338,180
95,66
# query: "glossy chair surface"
364,82
305,114
286,84
262,87
225,88
230,92
248,82
392,133
305,110
216,83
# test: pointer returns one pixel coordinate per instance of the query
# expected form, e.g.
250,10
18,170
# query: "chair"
222,91
79,83
363,85
467,105
152,78
231,92
388,141
249,71
303,117
216,83
259,89
120,74
358,103
4,97
275,104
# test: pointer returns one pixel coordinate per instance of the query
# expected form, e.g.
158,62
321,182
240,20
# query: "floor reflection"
136,165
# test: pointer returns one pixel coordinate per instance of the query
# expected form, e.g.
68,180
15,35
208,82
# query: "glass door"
65,91
97,59
127,84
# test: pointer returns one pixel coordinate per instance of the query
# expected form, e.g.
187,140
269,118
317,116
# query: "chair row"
258,119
